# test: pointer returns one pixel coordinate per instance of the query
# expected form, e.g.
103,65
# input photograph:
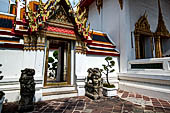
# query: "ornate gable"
142,26
161,27
60,15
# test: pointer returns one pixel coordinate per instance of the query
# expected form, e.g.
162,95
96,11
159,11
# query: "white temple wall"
155,79
96,61
108,19
111,20
11,61
15,60
125,37
84,62
116,23
4,6
80,72
139,7
94,18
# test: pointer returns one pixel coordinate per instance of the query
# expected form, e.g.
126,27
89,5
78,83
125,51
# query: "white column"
29,59
59,65
125,37
80,73
72,63
39,60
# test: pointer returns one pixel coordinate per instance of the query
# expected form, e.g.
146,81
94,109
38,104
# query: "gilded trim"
161,27
142,26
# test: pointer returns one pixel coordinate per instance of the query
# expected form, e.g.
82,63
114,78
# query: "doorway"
58,64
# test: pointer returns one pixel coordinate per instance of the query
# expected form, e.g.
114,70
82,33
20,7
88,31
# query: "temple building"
62,43
140,30
55,41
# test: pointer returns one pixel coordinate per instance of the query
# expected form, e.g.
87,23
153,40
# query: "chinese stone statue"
27,90
94,83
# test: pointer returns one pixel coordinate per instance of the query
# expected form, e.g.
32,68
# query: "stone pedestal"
80,62
80,82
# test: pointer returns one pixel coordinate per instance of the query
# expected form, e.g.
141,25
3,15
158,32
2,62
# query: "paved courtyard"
125,102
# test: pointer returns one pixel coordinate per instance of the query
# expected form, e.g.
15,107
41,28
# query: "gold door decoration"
81,47
142,27
34,42
36,22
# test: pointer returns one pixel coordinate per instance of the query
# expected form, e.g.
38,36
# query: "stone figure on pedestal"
27,90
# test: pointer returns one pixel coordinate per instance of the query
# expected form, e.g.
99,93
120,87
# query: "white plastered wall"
139,7
120,24
15,60
96,61
108,19
134,10
116,23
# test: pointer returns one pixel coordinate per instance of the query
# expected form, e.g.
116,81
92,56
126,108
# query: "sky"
5,3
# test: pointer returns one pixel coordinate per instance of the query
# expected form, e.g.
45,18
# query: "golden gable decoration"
161,27
60,15
81,21
142,26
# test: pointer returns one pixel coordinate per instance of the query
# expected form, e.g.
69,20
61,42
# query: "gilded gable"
142,25
59,15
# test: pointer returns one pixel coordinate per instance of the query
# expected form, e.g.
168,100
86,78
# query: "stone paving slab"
124,103
149,103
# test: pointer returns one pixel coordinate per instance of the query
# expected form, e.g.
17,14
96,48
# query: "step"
153,78
60,94
148,89
49,89
151,84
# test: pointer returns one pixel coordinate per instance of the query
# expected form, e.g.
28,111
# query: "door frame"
68,82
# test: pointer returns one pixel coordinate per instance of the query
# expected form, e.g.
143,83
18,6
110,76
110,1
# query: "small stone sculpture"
94,83
27,90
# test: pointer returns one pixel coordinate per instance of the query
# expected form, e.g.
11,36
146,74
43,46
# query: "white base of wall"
41,94
14,95
11,88
146,84
80,85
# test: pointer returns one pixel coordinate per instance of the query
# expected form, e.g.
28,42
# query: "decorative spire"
161,27
121,4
